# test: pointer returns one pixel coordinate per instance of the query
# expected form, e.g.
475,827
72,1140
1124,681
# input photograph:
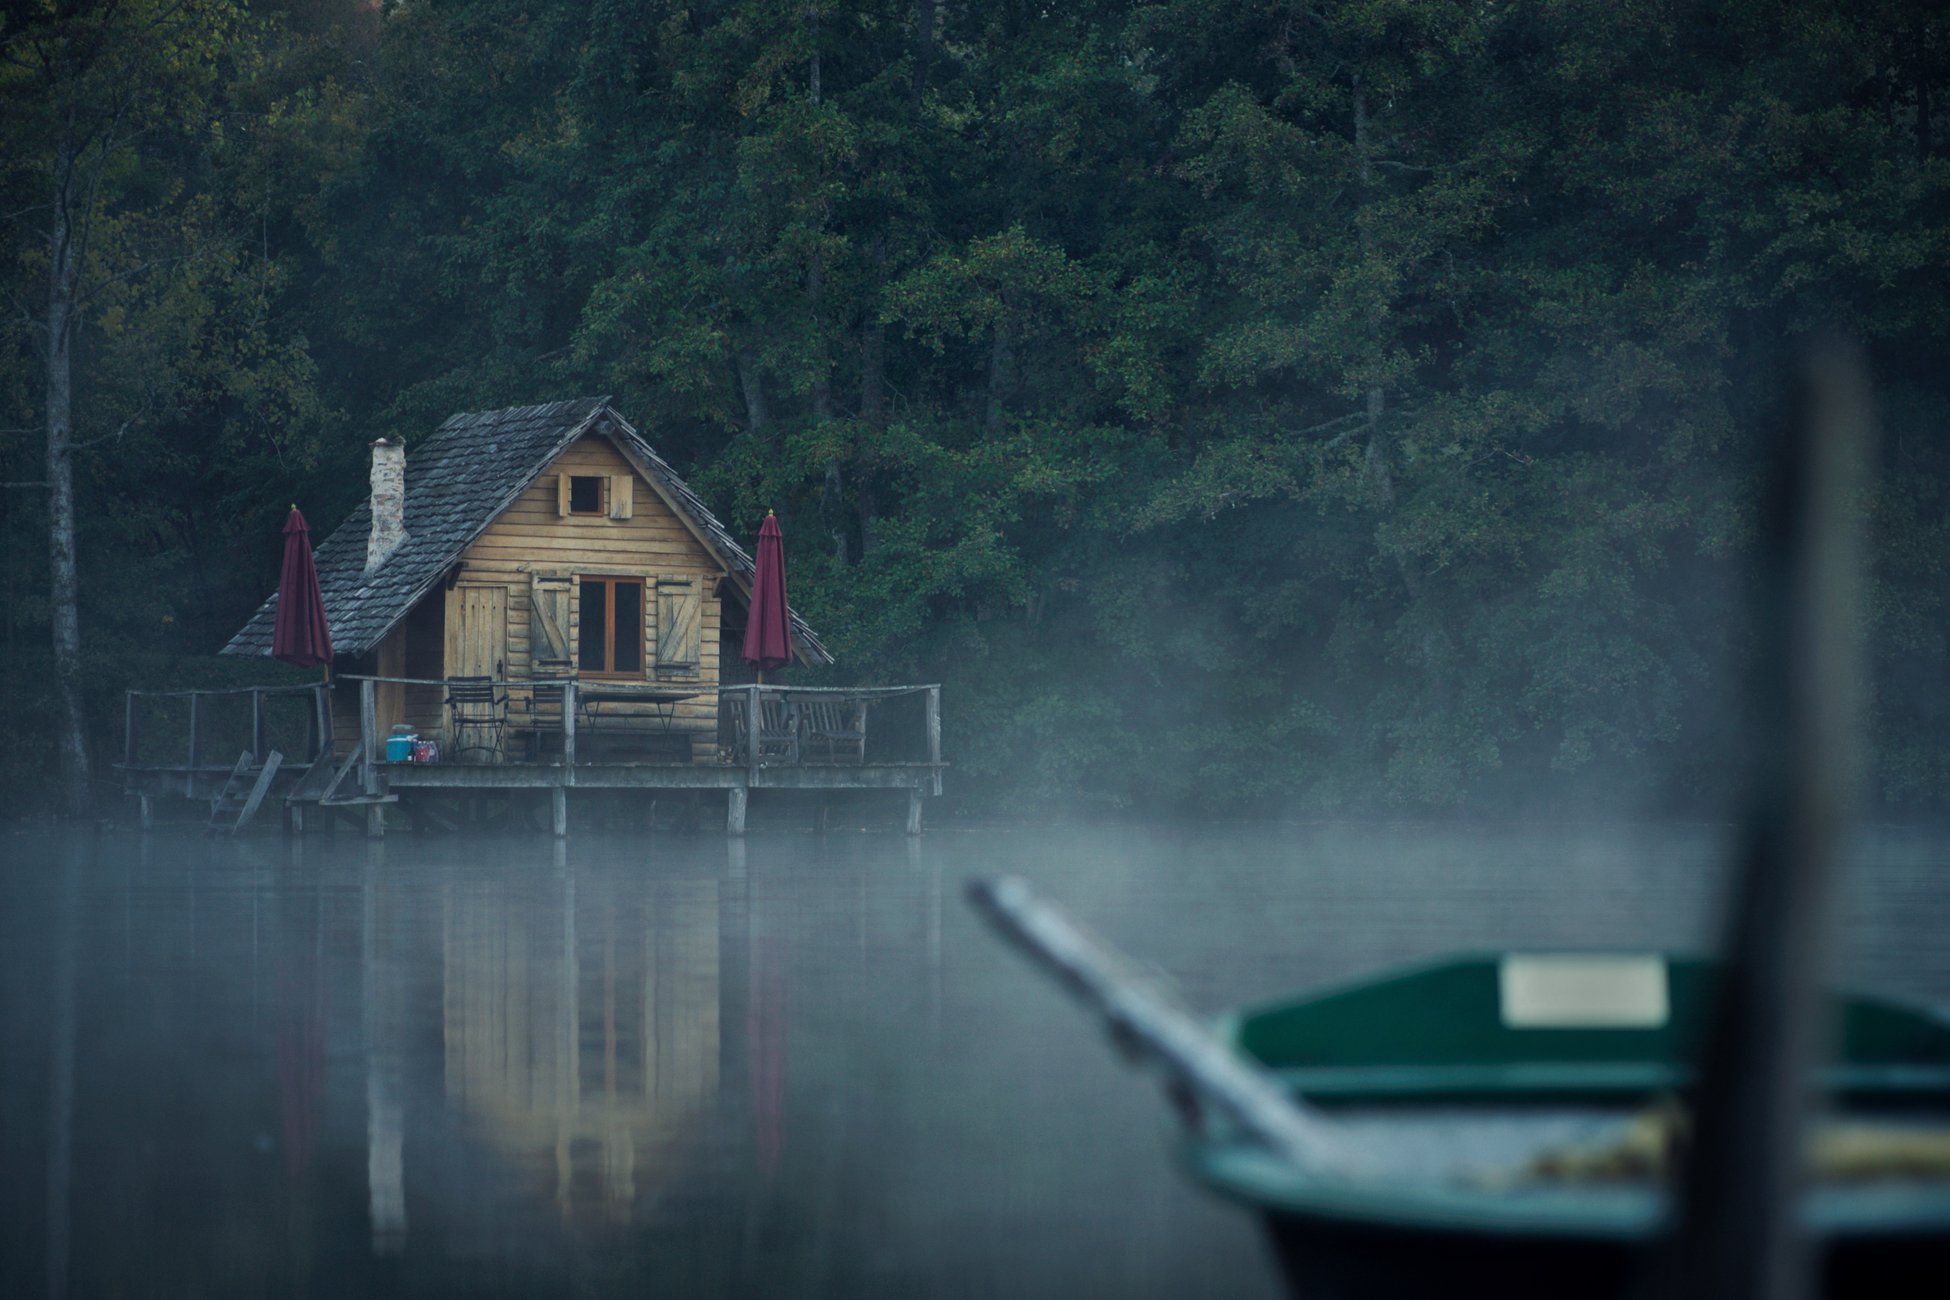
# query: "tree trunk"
752,386
924,19
77,780
1002,365
1925,137
873,404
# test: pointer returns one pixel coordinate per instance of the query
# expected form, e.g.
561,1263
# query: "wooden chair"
476,705
543,717
840,725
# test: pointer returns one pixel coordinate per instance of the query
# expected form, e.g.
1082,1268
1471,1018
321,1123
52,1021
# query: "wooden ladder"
316,782
243,793
329,796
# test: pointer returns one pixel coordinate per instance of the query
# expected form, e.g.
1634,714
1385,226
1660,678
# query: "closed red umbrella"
768,639
300,635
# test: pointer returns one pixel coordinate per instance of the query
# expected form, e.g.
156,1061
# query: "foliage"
1238,404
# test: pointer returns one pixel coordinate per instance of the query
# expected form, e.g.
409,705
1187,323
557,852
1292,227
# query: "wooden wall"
444,635
533,537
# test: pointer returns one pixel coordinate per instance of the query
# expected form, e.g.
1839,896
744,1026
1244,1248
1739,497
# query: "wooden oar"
1151,1025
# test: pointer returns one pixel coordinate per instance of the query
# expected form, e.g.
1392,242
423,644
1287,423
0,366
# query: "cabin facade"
537,590
534,544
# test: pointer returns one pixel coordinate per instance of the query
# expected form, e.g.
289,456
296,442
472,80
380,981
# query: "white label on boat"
1584,991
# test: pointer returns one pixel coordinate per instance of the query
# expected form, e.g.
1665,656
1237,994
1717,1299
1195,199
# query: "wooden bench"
840,725
778,730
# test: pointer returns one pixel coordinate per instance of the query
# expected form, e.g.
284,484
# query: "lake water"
680,1066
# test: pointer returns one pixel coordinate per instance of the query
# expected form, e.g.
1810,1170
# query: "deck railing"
786,713
736,705
141,706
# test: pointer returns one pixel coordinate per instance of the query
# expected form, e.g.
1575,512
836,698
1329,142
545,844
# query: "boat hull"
1436,1057
1327,1260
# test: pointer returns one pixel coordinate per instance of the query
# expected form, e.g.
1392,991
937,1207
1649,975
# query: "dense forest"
1318,407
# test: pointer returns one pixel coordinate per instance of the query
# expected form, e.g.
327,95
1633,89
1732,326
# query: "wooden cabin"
527,545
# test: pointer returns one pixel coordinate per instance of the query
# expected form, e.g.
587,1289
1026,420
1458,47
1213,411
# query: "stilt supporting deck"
914,810
375,821
558,811
734,817
148,812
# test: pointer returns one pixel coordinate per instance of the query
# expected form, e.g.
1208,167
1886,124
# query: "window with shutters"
609,635
595,496
585,494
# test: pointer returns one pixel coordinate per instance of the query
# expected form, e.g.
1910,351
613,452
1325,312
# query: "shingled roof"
457,482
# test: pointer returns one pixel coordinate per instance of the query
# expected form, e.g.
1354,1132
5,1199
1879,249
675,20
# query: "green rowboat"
1502,1103
1508,1123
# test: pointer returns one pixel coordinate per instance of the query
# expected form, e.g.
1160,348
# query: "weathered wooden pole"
934,736
913,810
1739,1231
734,817
196,729
257,727
324,734
558,811
569,728
368,738
754,727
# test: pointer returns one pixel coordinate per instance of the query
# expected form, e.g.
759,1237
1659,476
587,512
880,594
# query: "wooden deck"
351,779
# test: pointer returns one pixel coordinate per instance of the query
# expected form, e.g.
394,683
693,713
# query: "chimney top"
388,501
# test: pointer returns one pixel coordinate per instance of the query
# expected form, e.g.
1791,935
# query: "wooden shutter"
561,494
621,496
678,623
549,596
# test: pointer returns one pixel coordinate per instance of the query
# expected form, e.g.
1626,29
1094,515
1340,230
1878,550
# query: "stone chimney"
388,502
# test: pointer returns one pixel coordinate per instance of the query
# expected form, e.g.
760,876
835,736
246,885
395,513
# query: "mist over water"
681,1065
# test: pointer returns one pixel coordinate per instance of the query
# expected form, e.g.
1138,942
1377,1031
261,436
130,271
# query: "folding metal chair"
477,705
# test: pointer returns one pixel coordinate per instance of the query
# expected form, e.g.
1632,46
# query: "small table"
664,699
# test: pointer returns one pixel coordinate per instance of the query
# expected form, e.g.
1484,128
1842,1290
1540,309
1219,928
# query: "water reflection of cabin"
549,547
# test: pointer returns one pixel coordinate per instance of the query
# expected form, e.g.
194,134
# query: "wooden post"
375,818
569,727
257,727
914,810
558,811
148,814
753,723
128,729
368,726
196,728
324,721
934,737
734,817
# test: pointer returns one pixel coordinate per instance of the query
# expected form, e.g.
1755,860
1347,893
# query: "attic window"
585,494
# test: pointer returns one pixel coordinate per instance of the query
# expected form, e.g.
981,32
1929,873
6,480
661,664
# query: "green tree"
85,87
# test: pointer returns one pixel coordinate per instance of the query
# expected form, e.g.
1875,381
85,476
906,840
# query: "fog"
688,1065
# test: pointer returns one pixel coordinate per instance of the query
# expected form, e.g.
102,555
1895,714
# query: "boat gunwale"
1592,1212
